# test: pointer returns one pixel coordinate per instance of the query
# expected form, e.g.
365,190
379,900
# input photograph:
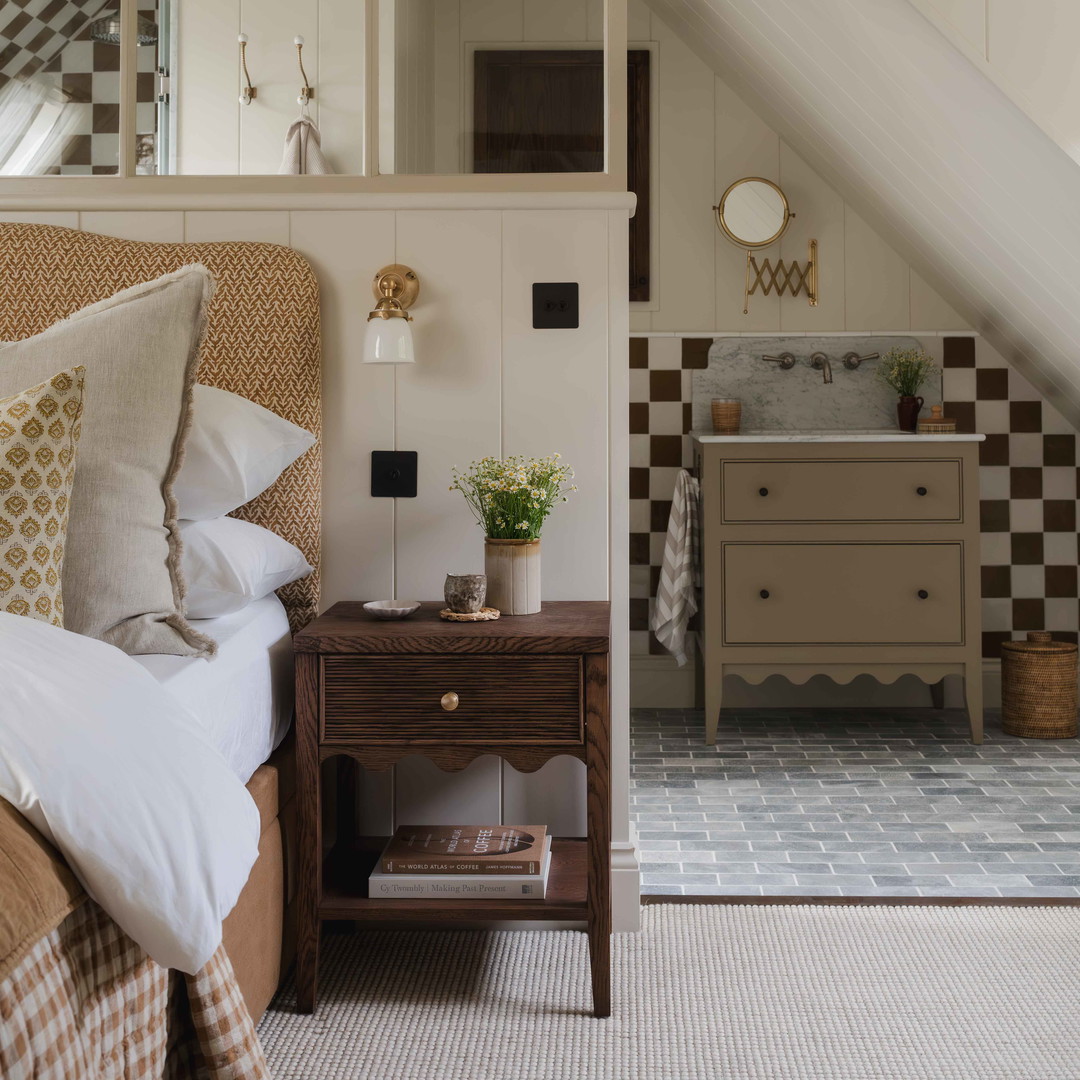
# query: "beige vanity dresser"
840,554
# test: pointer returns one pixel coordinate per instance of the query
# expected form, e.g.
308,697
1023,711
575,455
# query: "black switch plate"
555,305
393,474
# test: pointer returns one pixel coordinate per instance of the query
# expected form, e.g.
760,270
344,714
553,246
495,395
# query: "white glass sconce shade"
388,341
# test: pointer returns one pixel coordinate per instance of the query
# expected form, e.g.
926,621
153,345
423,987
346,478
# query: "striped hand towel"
676,598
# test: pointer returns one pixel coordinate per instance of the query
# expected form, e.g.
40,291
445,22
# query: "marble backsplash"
798,399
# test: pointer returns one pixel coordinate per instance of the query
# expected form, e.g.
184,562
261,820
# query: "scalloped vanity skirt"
743,993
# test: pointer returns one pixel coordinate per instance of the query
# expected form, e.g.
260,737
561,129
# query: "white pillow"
235,451
229,564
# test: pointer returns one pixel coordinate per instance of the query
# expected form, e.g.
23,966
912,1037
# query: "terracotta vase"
513,575
907,412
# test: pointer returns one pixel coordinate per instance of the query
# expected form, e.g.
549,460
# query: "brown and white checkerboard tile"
49,40
1029,479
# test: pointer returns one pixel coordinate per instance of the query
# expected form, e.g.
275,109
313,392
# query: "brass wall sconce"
754,213
388,339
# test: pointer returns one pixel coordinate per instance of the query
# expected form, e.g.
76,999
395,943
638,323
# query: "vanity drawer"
399,699
843,594
915,489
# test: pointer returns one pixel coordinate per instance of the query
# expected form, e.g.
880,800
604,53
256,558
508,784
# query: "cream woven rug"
716,992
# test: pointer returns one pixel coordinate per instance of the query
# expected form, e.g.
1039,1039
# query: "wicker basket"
1038,687
726,416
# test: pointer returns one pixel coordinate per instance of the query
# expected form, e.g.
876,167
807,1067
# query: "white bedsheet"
243,697
107,765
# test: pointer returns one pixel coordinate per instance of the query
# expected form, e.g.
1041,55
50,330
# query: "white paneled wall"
485,382
708,137
1028,47
218,135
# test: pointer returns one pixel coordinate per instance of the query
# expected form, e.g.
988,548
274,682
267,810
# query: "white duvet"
118,775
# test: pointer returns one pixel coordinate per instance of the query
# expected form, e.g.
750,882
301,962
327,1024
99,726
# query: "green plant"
511,497
905,370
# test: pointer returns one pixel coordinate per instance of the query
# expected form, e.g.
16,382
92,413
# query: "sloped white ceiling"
951,172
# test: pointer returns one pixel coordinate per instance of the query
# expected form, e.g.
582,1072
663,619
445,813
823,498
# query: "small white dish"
391,609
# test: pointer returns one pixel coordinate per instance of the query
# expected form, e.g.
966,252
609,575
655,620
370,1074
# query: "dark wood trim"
638,173
598,809
491,137
867,901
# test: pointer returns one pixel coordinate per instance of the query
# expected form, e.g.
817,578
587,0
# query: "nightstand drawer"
843,594
452,699
842,491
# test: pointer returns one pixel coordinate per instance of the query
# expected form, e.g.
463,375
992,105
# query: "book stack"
484,862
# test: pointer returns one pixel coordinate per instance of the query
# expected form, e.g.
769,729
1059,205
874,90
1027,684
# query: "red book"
464,849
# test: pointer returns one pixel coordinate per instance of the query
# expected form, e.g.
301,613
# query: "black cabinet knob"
764,594
920,491
923,594
763,492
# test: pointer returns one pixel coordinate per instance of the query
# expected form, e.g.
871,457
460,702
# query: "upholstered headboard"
262,342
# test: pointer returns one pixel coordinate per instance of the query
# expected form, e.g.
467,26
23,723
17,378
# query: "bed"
77,984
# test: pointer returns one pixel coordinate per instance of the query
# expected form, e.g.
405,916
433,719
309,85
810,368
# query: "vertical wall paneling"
552,383
551,386
265,226
448,106
556,20
686,185
879,299
744,146
271,25
448,402
345,249
339,96
164,226
929,310
492,20
64,218
819,214
447,409
207,85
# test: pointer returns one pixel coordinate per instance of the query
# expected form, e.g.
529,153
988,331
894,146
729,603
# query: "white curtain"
35,122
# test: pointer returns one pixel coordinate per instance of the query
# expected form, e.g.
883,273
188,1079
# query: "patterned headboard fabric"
262,342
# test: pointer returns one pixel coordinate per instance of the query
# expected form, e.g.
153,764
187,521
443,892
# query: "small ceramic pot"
513,573
465,593
907,413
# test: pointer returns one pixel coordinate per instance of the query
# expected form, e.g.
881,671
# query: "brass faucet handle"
786,360
852,359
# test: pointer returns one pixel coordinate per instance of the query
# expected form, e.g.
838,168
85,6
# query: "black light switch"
393,474
555,305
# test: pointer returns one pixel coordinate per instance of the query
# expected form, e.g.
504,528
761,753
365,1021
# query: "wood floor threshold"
871,901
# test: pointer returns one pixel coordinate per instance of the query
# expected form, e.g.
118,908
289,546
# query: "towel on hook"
303,150
676,598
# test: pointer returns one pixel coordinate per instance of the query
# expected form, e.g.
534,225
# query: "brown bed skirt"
259,935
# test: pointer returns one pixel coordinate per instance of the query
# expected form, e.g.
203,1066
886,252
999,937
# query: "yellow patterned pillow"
39,432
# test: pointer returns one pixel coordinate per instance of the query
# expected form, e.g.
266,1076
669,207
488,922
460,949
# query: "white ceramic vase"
513,575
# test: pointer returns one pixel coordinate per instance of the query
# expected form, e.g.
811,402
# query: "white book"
464,887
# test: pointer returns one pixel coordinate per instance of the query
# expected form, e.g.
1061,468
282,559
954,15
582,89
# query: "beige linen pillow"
39,433
140,349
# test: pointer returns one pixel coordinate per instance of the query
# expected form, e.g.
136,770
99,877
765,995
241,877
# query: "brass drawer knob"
450,701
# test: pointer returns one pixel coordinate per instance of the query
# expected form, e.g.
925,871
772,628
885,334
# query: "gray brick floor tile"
867,802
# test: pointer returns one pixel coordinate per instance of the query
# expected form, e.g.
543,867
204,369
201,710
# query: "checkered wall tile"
49,40
1029,479
33,32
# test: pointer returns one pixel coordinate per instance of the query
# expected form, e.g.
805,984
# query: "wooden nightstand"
525,688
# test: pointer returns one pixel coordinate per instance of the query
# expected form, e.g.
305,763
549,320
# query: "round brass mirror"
753,212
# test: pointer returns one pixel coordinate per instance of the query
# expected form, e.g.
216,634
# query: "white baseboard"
625,889
657,682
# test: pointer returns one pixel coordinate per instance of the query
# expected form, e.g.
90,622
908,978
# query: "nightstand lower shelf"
344,891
